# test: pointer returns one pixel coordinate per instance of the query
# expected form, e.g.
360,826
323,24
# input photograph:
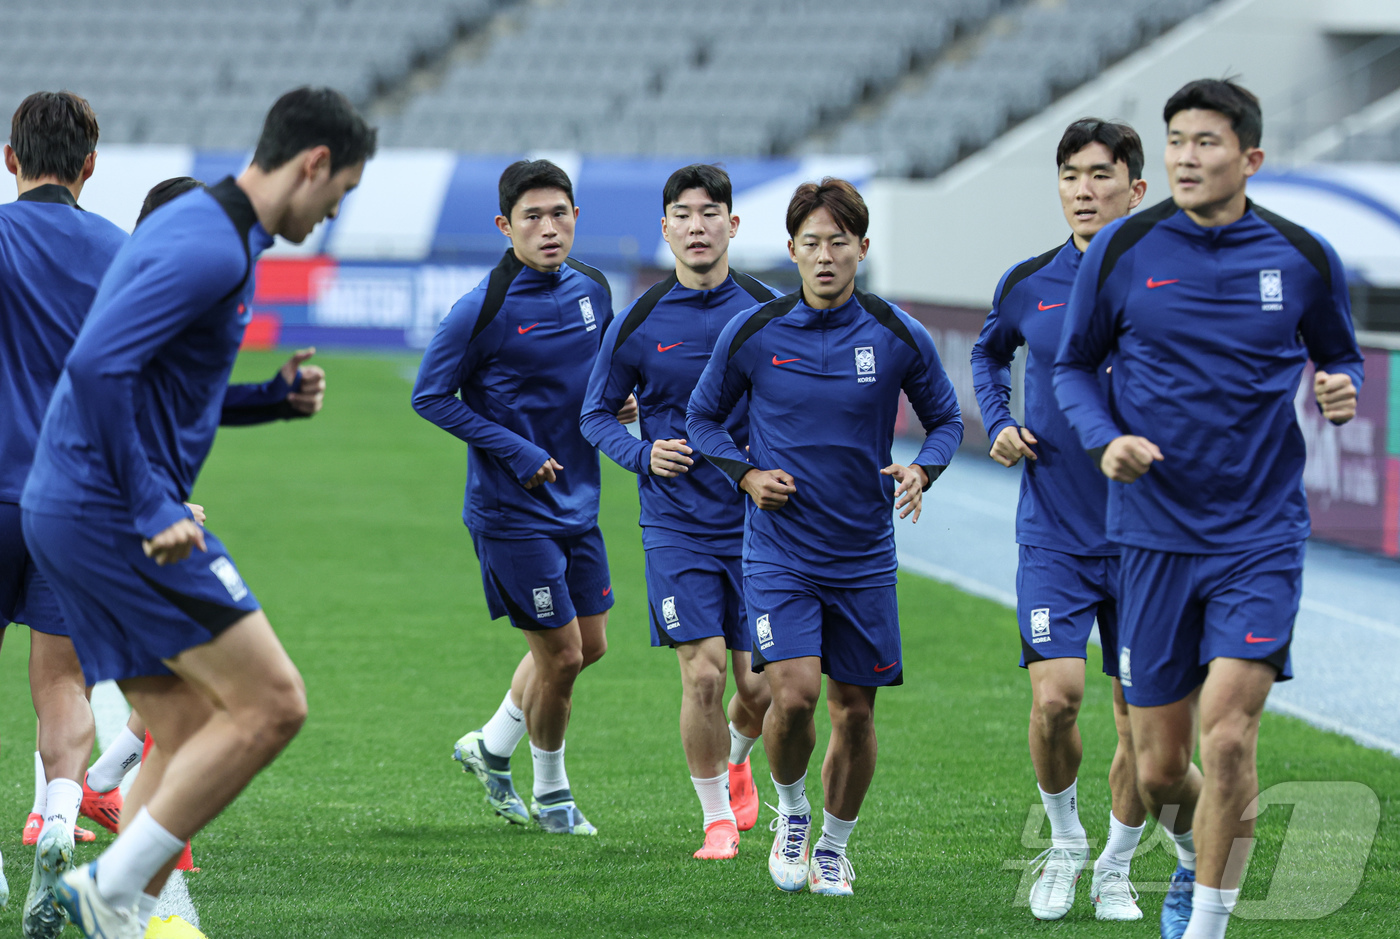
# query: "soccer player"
519,348
1209,307
1067,574
152,599
822,370
692,519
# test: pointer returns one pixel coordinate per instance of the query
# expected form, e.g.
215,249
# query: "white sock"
506,728
739,745
1062,808
549,770
111,767
1122,842
146,908
41,786
835,833
124,869
1185,849
1210,912
714,798
63,798
792,797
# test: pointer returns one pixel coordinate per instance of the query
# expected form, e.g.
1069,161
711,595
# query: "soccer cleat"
104,808
743,795
830,874
53,856
76,895
790,858
35,824
560,816
471,752
1176,905
172,927
721,841
1114,897
1052,894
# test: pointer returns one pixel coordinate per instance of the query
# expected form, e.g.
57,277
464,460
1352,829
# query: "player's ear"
89,164
576,213
317,163
1139,190
1254,158
11,162
791,253
503,224
733,225
864,249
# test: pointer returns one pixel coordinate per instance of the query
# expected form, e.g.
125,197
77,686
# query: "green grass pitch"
348,528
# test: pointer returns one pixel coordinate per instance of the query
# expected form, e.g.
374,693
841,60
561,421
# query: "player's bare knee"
1227,746
562,665
1055,711
593,650
795,702
705,685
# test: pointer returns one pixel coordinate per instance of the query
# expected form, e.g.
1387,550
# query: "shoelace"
835,868
1043,861
795,834
1116,879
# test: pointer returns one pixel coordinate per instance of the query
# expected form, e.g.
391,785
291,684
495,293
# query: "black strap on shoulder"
502,276
1300,238
50,192
1025,269
752,287
591,272
765,315
642,308
1131,232
885,316
234,202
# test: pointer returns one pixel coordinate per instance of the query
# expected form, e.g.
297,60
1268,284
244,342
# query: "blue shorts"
543,583
125,612
1180,611
854,630
25,596
696,596
1058,598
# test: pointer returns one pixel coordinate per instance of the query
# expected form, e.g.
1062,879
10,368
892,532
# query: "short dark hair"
838,197
1120,139
1221,94
713,179
523,175
314,117
52,132
165,190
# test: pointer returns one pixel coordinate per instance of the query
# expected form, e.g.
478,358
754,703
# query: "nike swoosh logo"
778,361
525,329
1154,284
1251,638
661,348
1043,306
887,667
608,590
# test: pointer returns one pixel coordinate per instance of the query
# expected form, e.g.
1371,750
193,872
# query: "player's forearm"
453,416
1082,400
600,428
991,384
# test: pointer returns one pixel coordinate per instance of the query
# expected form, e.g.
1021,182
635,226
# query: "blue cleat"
494,773
77,896
559,815
1176,905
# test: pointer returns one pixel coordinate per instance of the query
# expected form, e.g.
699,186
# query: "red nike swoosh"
887,667
778,361
1044,307
661,348
525,329
608,590
1154,284
1250,637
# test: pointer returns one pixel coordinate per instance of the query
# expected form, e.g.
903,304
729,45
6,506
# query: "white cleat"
1052,894
830,874
53,856
1114,897
77,895
791,855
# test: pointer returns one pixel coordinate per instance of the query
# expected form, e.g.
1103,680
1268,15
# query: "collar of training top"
235,203
50,192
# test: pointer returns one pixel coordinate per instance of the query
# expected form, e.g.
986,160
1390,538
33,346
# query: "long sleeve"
1087,340
613,377
259,402
1327,329
721,386
992,356
447,365
936,404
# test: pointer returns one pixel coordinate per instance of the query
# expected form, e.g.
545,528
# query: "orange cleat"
35,824
721,842
186,862
104,808
743,796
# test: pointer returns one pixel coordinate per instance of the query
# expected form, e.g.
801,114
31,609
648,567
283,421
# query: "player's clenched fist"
1128,457
1336,395
670,458
1013,443
768,488
173,545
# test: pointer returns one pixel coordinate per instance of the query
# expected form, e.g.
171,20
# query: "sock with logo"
1062,808
124,869
1122,842
835,833
714,798
550,776
112,766
1185,849
62,800
504,731
1210,912
792,797
739,745
41,786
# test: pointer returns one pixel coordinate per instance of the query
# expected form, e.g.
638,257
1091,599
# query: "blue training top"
824,392
52,257
1063,494
519,348
1209,329
659,346
134,414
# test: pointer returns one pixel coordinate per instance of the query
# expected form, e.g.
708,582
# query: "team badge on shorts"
544,602
765,632
865,364
1125,671
668,612
1040,625
586,305
223,569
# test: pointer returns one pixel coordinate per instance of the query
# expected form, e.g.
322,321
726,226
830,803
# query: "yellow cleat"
172,927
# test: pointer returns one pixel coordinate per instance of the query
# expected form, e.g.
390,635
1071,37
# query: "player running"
692,520
1067,575
1210,307
518,348
822,370
129,426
